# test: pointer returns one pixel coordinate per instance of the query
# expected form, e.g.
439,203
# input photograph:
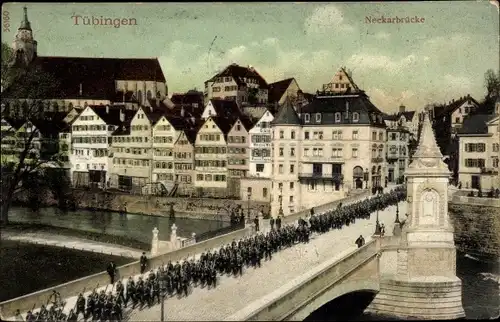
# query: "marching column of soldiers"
232,259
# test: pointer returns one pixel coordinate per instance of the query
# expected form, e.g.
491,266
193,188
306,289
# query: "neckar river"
138,227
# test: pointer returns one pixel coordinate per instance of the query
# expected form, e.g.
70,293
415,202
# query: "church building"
86,81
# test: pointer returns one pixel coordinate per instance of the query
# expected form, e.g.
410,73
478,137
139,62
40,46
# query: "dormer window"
337,117
355,117
307,118
318,117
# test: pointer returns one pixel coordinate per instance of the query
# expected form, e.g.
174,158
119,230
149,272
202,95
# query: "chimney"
402,108
107,109
122,115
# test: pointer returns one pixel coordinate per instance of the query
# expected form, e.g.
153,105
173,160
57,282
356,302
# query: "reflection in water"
137,227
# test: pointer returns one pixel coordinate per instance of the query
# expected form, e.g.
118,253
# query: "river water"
138,227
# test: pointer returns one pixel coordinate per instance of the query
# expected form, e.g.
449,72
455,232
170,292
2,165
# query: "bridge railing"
218,232
73,288
286,300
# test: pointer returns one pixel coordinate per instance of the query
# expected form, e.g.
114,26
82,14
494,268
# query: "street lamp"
281,201
377,223
249,194
397,214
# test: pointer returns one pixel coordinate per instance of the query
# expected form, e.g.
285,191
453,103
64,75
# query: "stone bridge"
351,271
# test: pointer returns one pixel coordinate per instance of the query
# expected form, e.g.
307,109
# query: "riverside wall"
196,208
477,224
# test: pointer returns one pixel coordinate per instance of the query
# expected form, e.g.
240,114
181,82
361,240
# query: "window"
264,192
354,152
292,135
474,163
318,117
457,120
380,136
374,136
337,117
306,135
354,135
291,185
306,152
292,168
238,127
292,152
307,118
337,153
355,117
494,162
291,199
280,168
259,167
282,134
281,152
249,190
475,147
496,147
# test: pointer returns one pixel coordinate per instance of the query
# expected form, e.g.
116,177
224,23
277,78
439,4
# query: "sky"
414,64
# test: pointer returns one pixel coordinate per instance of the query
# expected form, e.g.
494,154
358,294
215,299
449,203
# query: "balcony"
377,160
325,176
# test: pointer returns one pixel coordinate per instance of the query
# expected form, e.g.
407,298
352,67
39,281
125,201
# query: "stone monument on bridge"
425,285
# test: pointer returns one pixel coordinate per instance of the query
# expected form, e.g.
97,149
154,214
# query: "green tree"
25,165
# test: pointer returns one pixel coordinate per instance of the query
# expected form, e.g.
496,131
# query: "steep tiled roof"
450,108
152,114
239,72
226,108
179,123
277,89
331,104
112,117
476,124
286,115
223,123
97,76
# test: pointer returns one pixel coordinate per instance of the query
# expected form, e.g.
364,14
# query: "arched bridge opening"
347,307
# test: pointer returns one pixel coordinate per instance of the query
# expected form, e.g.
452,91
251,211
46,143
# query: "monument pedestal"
427,298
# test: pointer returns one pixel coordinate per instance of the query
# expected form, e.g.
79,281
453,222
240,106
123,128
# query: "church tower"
424,285
24,46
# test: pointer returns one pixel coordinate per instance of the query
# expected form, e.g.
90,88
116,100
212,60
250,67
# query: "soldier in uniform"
30,317
111,269
80,305
120,291
72,316
278,222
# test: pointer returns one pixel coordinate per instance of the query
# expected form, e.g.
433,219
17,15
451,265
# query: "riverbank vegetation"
27,268
110,239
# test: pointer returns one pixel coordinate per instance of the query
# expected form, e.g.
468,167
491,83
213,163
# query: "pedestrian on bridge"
256,222
111,272
143,262
360,241
271,222
278,222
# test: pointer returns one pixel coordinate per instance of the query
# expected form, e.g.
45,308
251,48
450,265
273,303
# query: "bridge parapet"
73,288
293,297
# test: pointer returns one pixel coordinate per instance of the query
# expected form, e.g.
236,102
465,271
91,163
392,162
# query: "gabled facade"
479,152
342,82
237,154
407,120
184,162
132,153
260,158
211,157
165,134
91,157
243,85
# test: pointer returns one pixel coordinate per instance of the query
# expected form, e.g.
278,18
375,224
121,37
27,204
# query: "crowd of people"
232,259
